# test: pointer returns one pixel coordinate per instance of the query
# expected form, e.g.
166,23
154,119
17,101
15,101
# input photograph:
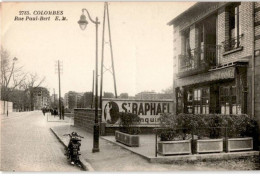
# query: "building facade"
216,53
41,98
72,100
66,101
87,100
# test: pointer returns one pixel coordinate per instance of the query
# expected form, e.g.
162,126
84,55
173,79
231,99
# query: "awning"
221,74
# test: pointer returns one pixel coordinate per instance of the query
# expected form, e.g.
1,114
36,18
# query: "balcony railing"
198,59
232,43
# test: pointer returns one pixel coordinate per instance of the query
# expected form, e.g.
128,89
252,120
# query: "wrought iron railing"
199,58
232,43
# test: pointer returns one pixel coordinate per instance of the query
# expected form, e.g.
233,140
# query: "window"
234,34
196,101
229,100
187,42
201,41
189,102
205,100
179,100
224,100
197,98
188,54
201,100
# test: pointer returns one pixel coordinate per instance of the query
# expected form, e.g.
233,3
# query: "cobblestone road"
27,144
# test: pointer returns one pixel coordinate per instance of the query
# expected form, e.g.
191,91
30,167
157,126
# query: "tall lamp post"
83,24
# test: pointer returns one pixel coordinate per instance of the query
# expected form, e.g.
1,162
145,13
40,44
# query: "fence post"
192,141
226,139
155,142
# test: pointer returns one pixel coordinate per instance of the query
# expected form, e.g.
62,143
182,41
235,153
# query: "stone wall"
84,118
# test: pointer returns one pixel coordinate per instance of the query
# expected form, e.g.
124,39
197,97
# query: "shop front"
222,91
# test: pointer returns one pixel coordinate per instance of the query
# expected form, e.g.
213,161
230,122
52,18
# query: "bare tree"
12,75
33,81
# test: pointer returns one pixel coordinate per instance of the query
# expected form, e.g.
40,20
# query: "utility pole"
111,51
59,87
59,68
106,12
54,99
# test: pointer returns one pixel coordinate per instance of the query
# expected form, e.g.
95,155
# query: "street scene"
48,154
130,86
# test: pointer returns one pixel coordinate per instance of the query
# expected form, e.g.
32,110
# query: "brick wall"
84,118
257,64
257,27
257,91
222,27
245,21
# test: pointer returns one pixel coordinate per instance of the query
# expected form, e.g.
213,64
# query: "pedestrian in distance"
43,111
55,112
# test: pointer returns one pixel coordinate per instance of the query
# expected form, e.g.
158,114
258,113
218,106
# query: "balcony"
198,60
233,44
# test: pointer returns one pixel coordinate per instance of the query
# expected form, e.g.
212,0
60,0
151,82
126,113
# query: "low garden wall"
85,118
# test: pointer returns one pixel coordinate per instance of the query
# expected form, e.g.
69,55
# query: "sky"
141,39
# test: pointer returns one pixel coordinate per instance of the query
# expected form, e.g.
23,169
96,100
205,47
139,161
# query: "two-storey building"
216,51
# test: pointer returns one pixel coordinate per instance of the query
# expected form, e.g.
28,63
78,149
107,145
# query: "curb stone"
85,165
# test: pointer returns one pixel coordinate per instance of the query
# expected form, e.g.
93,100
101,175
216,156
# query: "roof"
196,8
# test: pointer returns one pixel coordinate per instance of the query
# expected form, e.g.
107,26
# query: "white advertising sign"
148,110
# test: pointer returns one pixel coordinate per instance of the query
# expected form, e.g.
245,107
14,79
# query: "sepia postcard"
130,86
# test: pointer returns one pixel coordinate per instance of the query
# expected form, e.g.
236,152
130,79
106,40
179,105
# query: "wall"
257,63
4,107
246,19
84,118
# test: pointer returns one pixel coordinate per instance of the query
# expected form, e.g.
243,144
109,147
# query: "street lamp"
83,24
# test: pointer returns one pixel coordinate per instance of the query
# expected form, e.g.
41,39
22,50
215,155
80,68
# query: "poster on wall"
148,110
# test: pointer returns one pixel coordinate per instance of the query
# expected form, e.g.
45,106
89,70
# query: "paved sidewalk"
116,157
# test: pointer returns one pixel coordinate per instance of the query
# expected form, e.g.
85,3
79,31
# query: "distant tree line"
17,86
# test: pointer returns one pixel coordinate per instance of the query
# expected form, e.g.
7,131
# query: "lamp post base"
95,150
95,138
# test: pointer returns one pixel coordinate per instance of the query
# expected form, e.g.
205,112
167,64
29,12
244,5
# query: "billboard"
148,110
